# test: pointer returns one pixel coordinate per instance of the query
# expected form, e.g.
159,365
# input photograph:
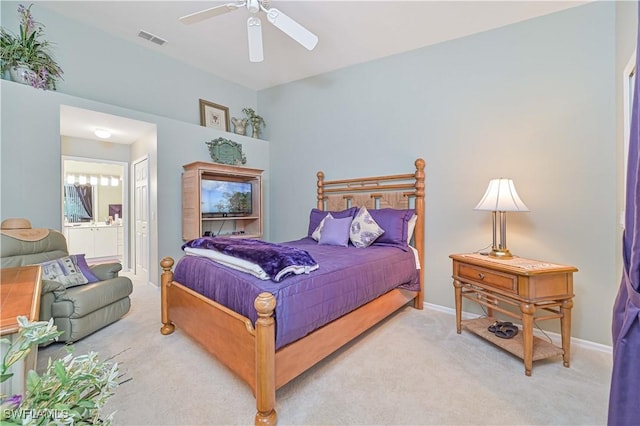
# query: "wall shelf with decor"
221,199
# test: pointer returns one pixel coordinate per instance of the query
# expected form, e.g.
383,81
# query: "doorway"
100,138
94,193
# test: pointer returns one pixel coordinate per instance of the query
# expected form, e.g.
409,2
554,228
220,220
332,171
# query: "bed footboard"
247,351
265,304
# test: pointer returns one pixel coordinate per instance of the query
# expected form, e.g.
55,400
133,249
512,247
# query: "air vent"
152,38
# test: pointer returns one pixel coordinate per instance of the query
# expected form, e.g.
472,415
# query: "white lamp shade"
501,196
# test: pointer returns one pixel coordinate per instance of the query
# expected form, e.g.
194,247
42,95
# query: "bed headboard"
404,191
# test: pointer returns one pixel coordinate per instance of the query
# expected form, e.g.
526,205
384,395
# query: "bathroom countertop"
90,225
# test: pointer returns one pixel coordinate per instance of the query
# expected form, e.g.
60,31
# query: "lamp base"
501,253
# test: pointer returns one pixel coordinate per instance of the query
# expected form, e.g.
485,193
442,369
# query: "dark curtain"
624,398
84,193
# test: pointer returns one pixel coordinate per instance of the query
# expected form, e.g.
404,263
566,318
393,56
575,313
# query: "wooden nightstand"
529,285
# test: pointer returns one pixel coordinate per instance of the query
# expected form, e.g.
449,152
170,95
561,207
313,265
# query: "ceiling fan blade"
210,13
292,28
254,31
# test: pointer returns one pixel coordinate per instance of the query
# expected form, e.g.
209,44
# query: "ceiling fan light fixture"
254,27
253,6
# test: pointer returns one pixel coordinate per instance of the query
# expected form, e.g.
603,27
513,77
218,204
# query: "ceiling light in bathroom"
102,133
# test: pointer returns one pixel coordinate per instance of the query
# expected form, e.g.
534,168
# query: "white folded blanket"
230,261
246,266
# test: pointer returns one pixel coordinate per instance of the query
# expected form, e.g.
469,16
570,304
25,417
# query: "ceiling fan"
254,26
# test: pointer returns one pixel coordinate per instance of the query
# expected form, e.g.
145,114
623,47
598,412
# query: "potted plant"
26,56
72,390
256,121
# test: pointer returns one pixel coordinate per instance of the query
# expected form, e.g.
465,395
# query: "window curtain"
624,396
78,204
85,193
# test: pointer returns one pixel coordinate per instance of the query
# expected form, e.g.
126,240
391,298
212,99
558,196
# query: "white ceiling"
82,123
350,32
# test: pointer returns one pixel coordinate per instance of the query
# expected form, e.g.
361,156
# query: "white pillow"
364,230
411,225
318,231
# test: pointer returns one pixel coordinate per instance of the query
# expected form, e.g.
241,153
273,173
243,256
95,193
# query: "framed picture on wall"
214,115
115,210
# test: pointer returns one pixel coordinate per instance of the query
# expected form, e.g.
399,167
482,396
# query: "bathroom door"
141,218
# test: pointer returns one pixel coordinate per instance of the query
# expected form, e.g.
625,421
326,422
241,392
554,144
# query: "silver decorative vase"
239,126
20,74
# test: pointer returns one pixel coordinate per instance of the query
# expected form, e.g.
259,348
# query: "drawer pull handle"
481,276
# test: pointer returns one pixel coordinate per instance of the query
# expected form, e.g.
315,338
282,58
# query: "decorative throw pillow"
316,234
70,271
335,232
395,223
364,230
316,216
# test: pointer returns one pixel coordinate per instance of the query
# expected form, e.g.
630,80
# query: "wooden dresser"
19,295
20,289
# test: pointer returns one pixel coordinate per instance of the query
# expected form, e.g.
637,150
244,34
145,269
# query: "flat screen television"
221,198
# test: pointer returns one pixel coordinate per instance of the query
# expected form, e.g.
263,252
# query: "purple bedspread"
347,278
273,258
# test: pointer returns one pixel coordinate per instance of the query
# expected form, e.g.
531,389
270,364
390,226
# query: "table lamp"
501,197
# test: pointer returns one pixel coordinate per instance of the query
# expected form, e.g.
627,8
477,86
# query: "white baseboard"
555,337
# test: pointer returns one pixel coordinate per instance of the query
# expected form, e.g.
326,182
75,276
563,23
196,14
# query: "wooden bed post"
265,303
320,176
166,279
419,229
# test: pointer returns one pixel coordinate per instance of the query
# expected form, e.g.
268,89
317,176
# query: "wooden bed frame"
248,350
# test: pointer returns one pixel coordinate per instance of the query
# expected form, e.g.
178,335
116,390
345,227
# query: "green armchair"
77,311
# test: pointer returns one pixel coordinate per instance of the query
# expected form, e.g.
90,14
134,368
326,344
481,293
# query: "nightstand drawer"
490,278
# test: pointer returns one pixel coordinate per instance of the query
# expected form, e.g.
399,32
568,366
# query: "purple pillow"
84,267
316,216
395,223
335,232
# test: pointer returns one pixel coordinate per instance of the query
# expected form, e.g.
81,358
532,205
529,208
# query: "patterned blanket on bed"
278,261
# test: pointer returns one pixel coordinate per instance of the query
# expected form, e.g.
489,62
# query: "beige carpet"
413,369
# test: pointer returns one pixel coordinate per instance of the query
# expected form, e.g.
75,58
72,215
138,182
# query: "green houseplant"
72,390
256,121
26,55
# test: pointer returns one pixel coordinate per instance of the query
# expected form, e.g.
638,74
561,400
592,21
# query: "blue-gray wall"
535,101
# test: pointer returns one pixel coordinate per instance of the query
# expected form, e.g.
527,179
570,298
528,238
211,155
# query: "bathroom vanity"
95,240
